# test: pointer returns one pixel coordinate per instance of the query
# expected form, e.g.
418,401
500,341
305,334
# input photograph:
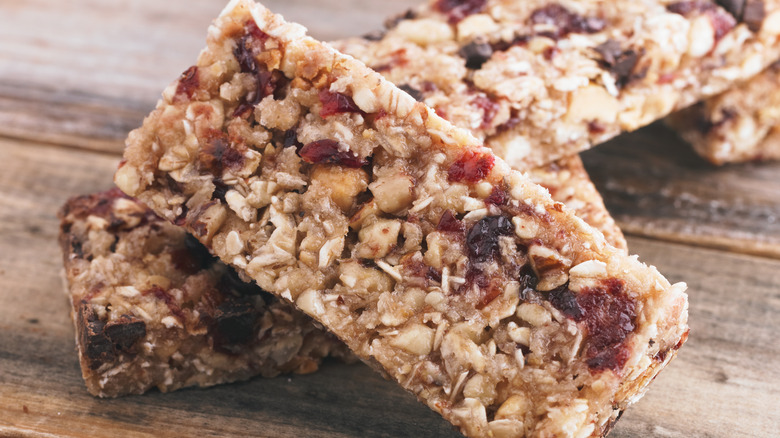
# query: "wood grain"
656,186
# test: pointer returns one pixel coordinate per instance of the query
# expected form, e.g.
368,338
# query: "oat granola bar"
109,232
539,80
566,179
152,308
741,124
427,255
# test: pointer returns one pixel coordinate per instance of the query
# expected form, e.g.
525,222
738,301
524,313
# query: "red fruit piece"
327,151
335,103
471,167
188,83
565,20
609,316
457,10
488,107
498,196
450,224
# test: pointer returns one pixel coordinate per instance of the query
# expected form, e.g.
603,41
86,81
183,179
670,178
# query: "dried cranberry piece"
722,22
450,224
596,127
474,277
217,155
418,270
457,10
244,52
266,84
335,103
482,238
188,83
476,53
498,196
565,21
165,297
471,167
488,107
327,151
609,316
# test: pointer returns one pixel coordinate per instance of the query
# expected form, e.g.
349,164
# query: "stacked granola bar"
419,248
544,80
153,308
423,251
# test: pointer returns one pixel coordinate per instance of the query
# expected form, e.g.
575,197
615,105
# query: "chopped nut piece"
344,183
415,339
393,194
533,314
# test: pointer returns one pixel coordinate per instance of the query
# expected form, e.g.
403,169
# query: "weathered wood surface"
76,76
656,186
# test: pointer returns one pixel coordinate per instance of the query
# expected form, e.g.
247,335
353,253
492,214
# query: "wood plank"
725,382
656,186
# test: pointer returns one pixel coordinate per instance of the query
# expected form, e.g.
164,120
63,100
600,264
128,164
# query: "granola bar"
427,255
566,179
741,124
106,231
539,80
568,182
152,308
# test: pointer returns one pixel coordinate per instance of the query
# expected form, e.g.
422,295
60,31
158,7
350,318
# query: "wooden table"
77,75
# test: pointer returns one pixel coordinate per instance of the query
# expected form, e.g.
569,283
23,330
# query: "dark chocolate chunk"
476,53
565,21
734,7
125,331
375,35
328,151
482,239
619,62
97,348
392,22
753,15
415,93
234,323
